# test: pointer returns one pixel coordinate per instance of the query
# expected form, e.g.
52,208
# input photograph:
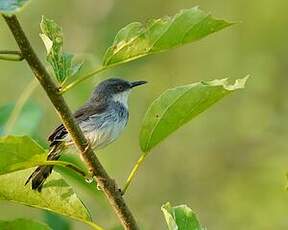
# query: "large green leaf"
180,217
138,40
11,6
22,152
23,224
56,195
60,61
18,153
177,106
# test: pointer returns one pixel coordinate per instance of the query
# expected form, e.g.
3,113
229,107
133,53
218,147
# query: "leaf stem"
107,184
67,165
80,79
134,171
24,96
11,55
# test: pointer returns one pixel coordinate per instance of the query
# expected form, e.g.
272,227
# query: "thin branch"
11,55
107,185
67,165
80,79
134,171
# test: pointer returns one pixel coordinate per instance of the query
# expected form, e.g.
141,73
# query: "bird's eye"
120,87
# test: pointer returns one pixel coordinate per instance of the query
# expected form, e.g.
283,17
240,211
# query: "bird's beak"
137,83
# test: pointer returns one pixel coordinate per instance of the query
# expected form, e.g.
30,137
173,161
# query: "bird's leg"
89,177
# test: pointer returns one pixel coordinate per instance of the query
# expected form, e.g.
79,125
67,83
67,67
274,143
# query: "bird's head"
115,89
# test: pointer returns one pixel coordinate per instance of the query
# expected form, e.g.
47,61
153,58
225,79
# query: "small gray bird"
102,119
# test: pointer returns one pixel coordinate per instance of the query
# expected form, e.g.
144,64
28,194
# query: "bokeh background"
229,164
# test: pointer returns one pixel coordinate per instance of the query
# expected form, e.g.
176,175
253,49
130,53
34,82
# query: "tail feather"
41,173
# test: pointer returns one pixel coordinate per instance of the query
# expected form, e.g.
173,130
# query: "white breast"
100,138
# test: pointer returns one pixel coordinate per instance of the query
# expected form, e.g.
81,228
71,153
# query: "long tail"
42,172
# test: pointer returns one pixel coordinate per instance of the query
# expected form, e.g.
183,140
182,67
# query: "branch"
11,55
107,185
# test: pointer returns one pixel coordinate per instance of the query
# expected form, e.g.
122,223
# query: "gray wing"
81,114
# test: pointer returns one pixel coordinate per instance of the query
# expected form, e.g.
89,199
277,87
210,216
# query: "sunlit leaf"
23,224
56,195
22,152
180,217
18,153
179,105
138,40
12,6
61,62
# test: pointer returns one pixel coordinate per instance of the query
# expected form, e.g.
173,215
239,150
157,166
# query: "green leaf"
22,152
61,62
137,40
23,224
56,196
12,6
180,217
177,106
56,221
18,153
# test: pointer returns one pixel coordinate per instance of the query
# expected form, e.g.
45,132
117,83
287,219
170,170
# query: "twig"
134,171
79,80
107,185
11,55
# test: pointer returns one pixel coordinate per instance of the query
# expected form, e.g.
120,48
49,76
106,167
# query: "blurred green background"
229,164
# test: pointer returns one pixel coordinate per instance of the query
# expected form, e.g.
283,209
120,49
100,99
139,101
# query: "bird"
102,119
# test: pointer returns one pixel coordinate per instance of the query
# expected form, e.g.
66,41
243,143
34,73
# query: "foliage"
19,153
23,224
177,106
138,40
60,61
57,195
171,110
180,217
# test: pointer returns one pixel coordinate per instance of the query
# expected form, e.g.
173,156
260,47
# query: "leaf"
56,221
177,106
180,217
137,40
18,153
23,224
22,152
56,196
12,6
61,62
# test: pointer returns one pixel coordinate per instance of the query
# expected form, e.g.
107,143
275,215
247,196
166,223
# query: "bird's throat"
122,98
